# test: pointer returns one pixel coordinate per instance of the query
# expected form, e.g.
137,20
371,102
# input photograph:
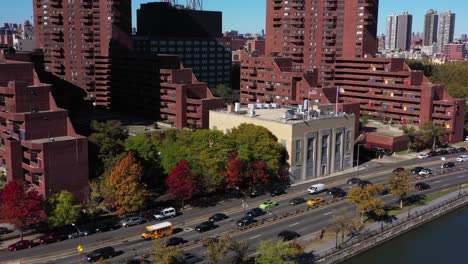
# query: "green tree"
270,252
94,201
165,255
224,91
364,120
399,186
218,250
432,133
365,201
410,132
63,209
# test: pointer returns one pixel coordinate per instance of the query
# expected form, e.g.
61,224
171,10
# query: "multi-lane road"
129,243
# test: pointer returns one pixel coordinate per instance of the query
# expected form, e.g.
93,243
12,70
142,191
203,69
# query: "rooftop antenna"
195,4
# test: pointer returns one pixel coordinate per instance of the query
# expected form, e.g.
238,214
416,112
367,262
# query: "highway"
129,243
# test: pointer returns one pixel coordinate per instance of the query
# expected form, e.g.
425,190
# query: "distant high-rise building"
381,42
78,39
464,37
404,30
431,23
446,29
390,41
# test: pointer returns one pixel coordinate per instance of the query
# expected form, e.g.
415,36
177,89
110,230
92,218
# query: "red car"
51,238
22,244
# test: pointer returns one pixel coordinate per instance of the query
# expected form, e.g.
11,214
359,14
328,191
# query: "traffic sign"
80,248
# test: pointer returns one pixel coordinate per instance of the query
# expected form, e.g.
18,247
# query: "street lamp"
80,246
357,167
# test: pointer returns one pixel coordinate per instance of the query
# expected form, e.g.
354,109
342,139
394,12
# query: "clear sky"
249,15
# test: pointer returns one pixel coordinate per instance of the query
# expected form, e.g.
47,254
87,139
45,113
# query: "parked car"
205,226
277,190
218,217
416,170
398,170
442,152
189,258
254,212
461,149
452,150
135,220
334,190
425,172
245,221
432,153
422,186
339,194
254,192
51,238
268,204
297,200
22,244
287,235
101,253
423,156
165,213
316,188
462,158
4,230
353,181
109,226
175,241
84,231
447,165
363,184
315,201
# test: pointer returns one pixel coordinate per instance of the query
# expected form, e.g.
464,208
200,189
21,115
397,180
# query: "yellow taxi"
315,201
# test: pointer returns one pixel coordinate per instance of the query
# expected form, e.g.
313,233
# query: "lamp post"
358,146
80,246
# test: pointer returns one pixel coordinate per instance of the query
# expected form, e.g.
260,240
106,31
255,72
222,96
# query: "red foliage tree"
257,173
22,207
233,175
181,182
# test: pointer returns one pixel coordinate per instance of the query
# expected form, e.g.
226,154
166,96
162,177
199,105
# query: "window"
348,141
298,152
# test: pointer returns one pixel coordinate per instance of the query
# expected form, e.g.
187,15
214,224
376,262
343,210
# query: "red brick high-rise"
78,38
315,32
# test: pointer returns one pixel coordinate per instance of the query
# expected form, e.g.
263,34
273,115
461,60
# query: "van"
165,213
158,230
316,188
101,253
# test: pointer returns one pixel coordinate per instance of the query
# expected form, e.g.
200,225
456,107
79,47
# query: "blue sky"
249,15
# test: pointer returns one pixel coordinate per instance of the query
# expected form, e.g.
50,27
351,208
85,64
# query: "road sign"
80,248
244,205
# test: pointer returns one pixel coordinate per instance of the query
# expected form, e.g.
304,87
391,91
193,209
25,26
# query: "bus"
158,231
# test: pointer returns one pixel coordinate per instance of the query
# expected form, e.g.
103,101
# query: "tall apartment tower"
314,33
78,38
446,29
404,31
431,23
390,42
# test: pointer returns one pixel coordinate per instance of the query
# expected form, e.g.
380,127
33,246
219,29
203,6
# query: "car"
268,204
423,156
287,235
189,258
4,230
425,172
257,191
466,138
278,190
254,212
461,149
353,181
422,186
339,194
363,184
447,165
135,220
398,170
245,221
442,152
83,231
334,190
316,188
175,241
297,200
101,253
416,170
51,238
218,217
22,244
315,201
165,213
432,153
205,226
452,150
462,158
109,226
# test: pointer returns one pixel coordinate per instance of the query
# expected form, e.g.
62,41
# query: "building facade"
391,36
78,39
318,144
431,25
454,52
314,33
388,89
37,141
446,29
404,31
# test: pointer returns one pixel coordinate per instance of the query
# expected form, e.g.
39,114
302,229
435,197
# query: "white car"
425,172
423,156
462,158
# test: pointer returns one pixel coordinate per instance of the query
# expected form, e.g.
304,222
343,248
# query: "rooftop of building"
393,130
52,139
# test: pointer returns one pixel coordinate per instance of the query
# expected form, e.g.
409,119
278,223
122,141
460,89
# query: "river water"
444,240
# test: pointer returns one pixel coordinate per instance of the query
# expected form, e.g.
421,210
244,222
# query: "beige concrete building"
319,142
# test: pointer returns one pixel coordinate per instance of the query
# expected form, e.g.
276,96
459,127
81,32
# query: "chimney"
230,108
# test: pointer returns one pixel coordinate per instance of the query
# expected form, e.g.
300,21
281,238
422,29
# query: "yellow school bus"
158,230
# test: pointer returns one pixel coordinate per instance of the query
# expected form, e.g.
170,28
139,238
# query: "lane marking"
461,176
328,213
302,229
447,184
255,237
294,224
437,181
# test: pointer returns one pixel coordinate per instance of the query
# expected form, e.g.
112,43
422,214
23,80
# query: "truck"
158,231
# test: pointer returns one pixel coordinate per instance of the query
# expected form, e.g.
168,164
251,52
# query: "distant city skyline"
248,16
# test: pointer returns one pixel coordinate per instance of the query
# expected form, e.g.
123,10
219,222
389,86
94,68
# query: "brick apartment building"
194,35
453,52
388,89
38,143
78,39
314,33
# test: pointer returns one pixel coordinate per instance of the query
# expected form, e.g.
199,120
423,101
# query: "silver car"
135,220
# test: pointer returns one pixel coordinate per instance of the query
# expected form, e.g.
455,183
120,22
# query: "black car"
218,217
398,170
104,227
452,150
339,194
363,184
254,212
278,190
416,170
461,149
297,200
334,190
189,258
353,181
422,186
442,152
254,192
287,235
4,230
448,165
175,241
432,153
245,221
205,226
102,253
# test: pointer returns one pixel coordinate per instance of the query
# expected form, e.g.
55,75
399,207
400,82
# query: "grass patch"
462,144
404,152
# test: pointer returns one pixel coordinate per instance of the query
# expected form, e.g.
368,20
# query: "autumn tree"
123,187
399,186
181,182
218,250
63,209
21,206
342,222
364,198
277,252
162,254
234,170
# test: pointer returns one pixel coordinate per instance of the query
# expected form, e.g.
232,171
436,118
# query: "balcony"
33,167
30,155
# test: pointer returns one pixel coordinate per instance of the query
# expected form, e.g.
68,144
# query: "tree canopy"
165,255
181,182
364,198
64,209
276,252
399,186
